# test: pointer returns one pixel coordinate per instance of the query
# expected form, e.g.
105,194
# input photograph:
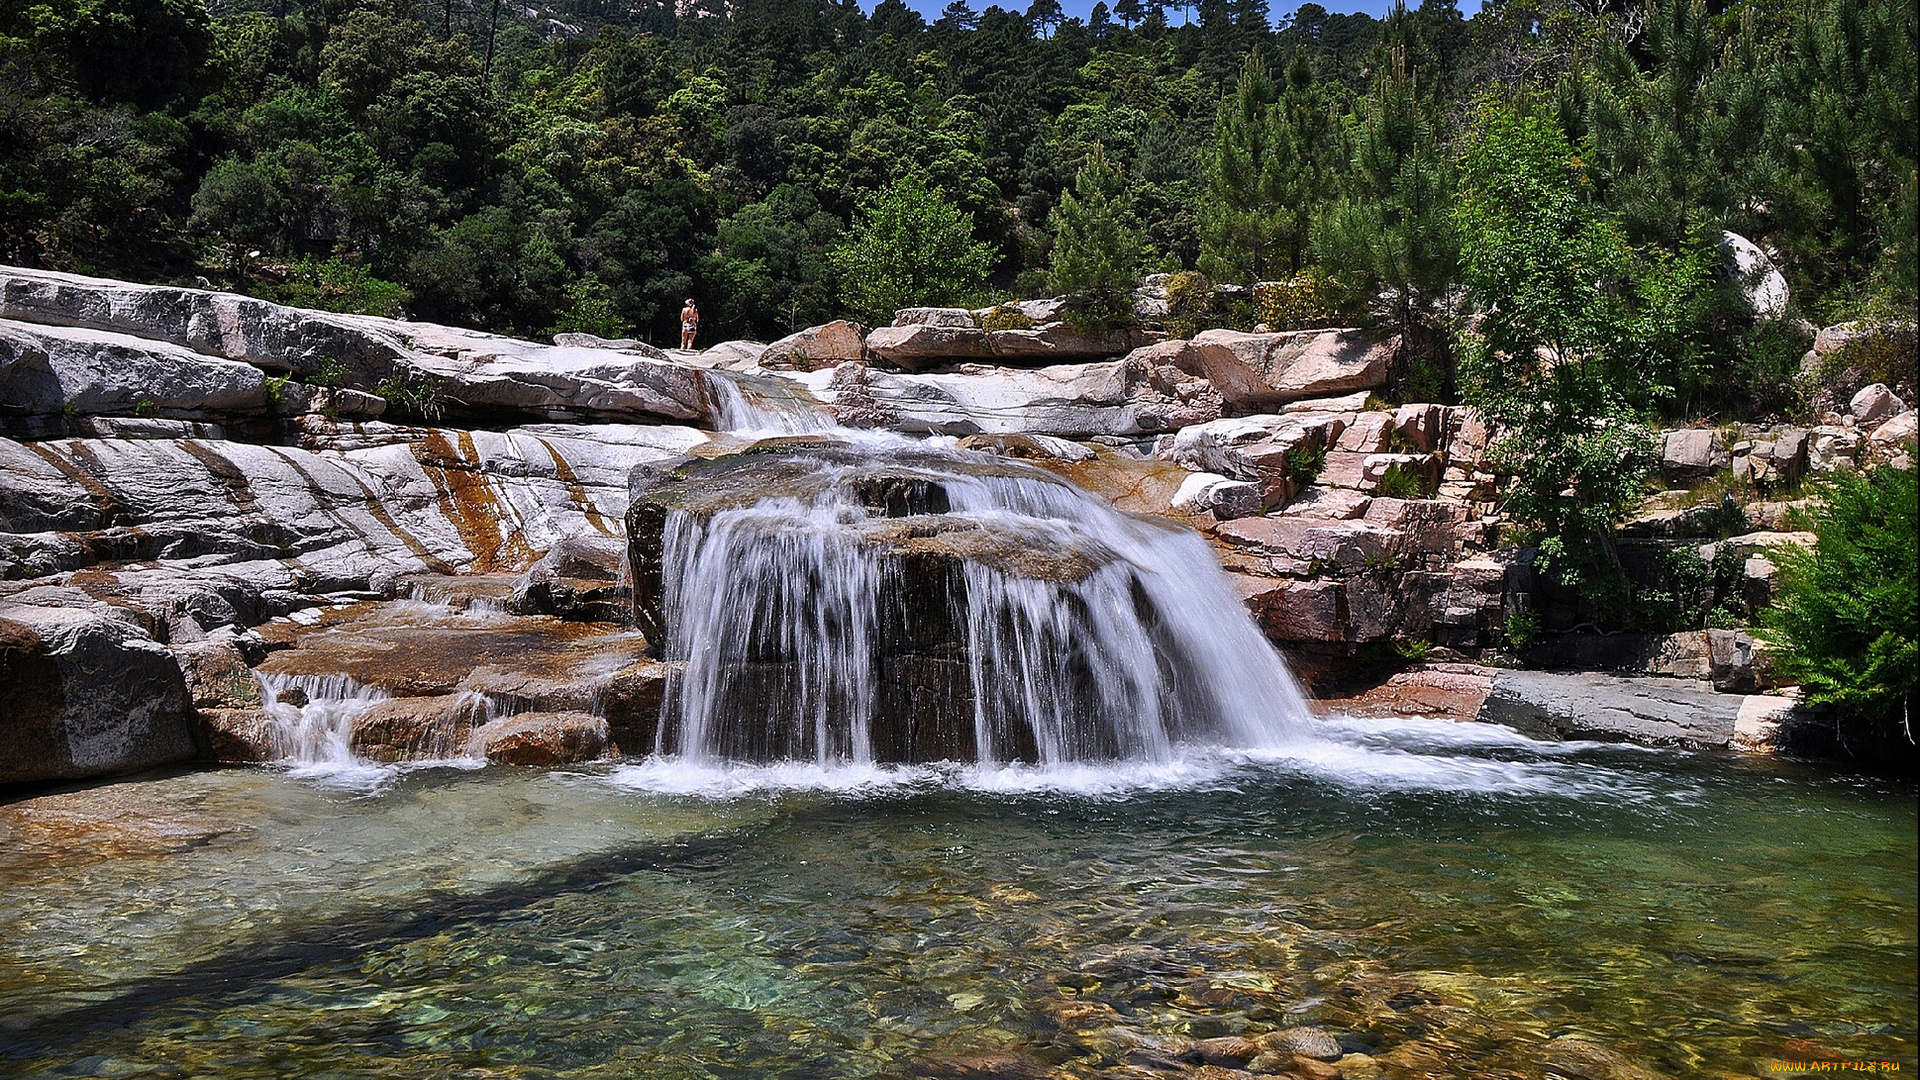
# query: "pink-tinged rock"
1467,436
1693,454
918,346
1343,544
1421,427
542,739
1288,610
1368,434
1328,504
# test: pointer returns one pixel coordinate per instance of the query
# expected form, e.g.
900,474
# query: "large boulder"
1693,454
1761,282
542,739
445,370
83,693
48,370
1661,712
1259,370
922,346
817,347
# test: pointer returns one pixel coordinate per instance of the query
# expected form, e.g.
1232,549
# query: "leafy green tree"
1546,274
1845,612
1097,247
910,246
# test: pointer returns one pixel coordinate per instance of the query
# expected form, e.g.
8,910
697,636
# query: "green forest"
587,165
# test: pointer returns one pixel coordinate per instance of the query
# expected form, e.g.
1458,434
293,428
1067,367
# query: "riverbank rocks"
1075,401
945,340
54,370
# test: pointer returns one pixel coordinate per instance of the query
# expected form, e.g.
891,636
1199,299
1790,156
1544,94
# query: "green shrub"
1189,304
339,285
1006,317
1523,629
419,395
1843,620
1399,483
1304,465
1302,302
328,374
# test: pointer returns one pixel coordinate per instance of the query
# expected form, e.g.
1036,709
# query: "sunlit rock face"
826,602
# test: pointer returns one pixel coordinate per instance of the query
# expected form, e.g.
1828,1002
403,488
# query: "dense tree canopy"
588,164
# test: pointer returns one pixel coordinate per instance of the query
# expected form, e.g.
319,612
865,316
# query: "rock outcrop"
173,341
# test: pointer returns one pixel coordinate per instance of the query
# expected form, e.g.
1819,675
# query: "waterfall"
913,604
750,405
313,716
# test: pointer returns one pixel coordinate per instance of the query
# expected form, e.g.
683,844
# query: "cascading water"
313,716
864,598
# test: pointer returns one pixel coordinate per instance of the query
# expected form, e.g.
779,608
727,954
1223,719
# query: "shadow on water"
243,975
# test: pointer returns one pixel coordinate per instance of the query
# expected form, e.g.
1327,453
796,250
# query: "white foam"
1440,756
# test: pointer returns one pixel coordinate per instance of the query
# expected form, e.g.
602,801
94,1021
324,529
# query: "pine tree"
1097,245
1243,218
1389,241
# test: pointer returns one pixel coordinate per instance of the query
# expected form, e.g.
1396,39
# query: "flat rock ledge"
1596,706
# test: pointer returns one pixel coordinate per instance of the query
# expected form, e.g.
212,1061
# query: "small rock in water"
1585,1060
1307,1042
1076,1014
1409,999
1234,1050
999,1066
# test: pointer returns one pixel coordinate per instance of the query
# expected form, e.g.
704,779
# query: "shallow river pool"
1439,899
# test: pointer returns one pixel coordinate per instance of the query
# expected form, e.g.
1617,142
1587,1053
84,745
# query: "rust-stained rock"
106,821
413,650
237,736
417,728
1444,691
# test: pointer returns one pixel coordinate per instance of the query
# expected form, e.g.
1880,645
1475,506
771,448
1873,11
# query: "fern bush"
1843,621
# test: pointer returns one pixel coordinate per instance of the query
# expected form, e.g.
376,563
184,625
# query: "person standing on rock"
689,324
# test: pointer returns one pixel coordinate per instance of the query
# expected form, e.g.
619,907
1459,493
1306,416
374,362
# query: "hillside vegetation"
586,166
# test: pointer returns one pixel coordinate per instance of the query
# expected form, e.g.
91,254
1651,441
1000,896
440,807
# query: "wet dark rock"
923,687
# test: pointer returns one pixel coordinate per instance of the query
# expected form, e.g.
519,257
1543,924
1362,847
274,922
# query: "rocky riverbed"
206,499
